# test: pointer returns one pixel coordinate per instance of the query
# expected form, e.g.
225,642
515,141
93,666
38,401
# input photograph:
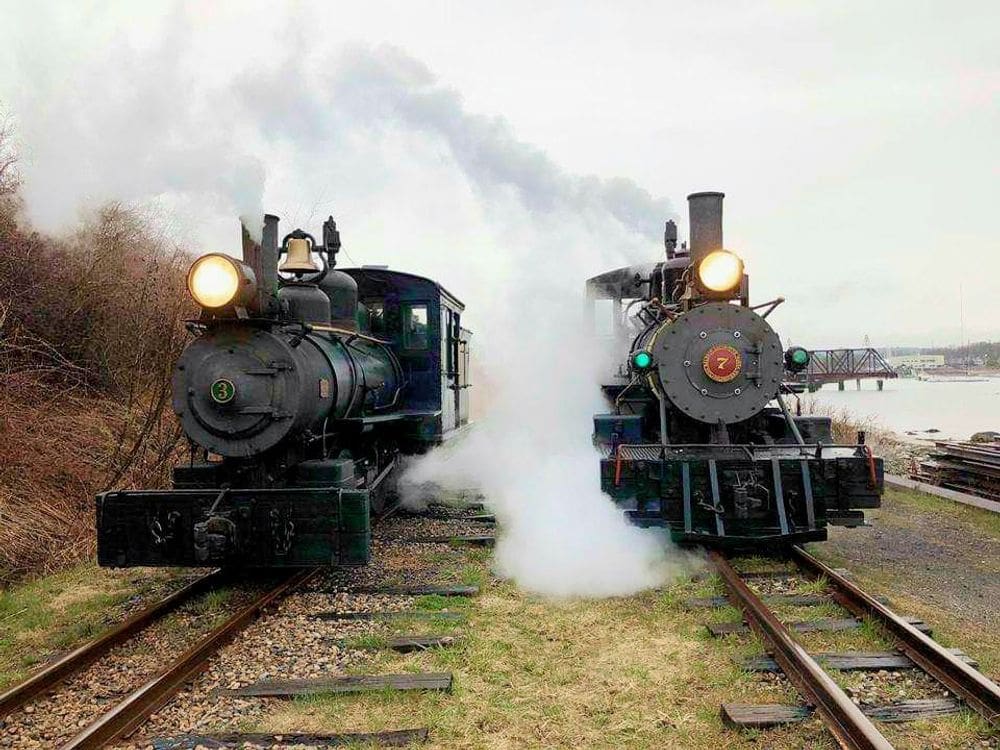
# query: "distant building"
918,361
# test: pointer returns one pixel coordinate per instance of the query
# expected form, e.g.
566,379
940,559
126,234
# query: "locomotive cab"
699,437
422,319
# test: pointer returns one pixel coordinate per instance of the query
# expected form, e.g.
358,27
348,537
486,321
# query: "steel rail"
137,707
849,726
973,687
76,660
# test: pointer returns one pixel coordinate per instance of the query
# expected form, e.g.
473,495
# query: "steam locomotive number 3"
303,388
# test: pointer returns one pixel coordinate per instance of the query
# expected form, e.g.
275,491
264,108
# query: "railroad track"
134,709
850,726
110,718
57,672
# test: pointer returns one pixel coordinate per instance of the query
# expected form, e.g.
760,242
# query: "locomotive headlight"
216,280
797,359
720,271
642,360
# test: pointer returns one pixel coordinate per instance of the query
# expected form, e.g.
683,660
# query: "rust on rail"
133,711
978,691
848,724
65,666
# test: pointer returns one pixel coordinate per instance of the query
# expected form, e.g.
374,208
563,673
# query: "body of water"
906,405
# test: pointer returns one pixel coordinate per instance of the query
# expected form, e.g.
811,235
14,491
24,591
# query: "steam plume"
418,181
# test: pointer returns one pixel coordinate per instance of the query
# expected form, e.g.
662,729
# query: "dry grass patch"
630,672
41,618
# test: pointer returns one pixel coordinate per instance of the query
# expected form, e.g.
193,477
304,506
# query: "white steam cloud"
532,454
116,122
416,181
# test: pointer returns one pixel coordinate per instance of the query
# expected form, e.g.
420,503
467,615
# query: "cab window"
376,317
415,326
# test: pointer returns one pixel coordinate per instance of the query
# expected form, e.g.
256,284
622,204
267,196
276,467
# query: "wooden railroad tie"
845,661
788,600
477,518
746,716
415,590
404,644
392,738
474,541
823,624
464,506
391,615
361,683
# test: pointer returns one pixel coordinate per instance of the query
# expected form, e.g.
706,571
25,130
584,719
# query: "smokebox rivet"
702,335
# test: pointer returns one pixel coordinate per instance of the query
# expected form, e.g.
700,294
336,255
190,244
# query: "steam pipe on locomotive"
298,403
692,442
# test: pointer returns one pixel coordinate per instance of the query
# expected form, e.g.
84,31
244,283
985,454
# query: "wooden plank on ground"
782,573
788,600
355,683
405,614
393,738
767,574
463,506
822,624
926,708
440,590
851,661
746,716
475,541
477,518
406,643
931,489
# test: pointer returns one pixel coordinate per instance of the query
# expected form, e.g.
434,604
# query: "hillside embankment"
90,324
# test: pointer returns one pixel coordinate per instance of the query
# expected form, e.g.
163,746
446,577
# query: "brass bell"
298,259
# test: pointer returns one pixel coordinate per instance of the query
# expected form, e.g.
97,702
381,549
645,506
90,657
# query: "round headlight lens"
720,271
214,281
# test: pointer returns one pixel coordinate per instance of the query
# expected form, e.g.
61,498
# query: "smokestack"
267,282
705,233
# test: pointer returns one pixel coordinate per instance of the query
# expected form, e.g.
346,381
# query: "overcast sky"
858,143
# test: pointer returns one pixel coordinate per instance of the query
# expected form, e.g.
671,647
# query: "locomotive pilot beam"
304,386
699,438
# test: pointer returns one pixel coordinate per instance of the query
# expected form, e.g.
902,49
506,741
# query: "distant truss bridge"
840,365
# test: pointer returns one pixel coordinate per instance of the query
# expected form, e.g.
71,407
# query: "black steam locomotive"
699,438
298,396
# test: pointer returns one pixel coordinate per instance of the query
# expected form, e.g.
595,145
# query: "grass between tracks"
41,618
530,672
635,672
913,583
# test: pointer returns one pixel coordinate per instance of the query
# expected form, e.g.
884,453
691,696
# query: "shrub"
90,326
